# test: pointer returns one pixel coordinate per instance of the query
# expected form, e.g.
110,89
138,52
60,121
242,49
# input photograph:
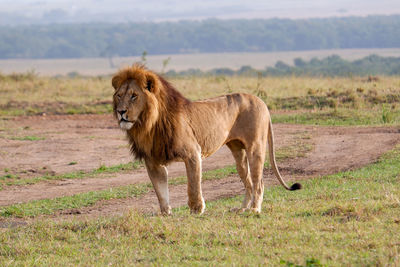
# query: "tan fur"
163,126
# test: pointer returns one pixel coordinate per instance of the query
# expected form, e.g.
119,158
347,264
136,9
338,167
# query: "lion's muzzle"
125,125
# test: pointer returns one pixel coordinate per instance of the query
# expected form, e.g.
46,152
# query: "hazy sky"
45,11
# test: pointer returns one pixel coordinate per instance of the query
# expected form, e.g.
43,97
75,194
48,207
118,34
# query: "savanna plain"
71,193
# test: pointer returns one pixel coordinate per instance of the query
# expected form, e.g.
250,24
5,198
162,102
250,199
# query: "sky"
117,11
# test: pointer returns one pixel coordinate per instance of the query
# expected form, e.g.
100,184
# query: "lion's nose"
122,112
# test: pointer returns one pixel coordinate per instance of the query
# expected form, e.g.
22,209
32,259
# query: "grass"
341,117
15,180
345,219
57,108
299,147
353,96
27,138
50,206
8,176
118,168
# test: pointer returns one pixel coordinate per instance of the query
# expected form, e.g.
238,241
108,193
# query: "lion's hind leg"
242,167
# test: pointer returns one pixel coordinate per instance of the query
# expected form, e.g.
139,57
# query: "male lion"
163,126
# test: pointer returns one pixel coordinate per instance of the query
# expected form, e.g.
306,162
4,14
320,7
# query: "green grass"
347,219
118,168
15,180
27,138
50,206
340,117
8,176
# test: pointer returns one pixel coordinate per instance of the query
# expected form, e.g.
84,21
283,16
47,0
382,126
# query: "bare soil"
70,143
93,140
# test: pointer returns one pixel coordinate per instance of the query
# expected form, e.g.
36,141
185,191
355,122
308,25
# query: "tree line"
330,66
207,36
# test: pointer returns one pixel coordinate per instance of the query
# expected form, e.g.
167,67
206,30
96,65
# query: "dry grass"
27,94
34,89
94,89
284,87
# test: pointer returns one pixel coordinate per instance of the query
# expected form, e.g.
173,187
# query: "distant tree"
299,62
211,35
330,66
247,70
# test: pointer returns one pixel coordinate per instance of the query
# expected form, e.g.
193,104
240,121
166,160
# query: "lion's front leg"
159,178
193,169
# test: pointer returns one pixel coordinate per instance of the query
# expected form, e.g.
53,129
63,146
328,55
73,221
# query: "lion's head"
147,107
136,98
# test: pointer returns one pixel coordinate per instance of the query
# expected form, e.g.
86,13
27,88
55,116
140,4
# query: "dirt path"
68,187
92,140
71,144
336,149
344,148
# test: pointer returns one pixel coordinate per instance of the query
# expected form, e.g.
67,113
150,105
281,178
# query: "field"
179,62
71,193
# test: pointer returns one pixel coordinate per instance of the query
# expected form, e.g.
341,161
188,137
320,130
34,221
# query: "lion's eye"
133,97
118,97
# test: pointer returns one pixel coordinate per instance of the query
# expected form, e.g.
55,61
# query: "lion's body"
236,117
163,126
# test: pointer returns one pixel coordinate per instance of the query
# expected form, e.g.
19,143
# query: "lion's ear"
151,83
115,82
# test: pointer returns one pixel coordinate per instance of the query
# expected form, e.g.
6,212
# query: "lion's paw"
256,210
166,211
197,208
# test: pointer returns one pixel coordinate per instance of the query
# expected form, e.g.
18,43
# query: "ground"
31,146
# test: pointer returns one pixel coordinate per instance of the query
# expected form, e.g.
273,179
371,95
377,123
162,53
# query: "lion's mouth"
123,120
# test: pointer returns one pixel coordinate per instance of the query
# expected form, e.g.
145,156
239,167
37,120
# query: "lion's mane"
153,136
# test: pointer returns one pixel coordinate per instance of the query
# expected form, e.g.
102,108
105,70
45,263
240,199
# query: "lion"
163,126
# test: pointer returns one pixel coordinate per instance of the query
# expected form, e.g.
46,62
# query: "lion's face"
129,102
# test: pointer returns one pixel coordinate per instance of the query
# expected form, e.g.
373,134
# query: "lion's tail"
272,160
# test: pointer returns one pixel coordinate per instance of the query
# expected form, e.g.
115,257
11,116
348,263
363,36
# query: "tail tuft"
295,186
